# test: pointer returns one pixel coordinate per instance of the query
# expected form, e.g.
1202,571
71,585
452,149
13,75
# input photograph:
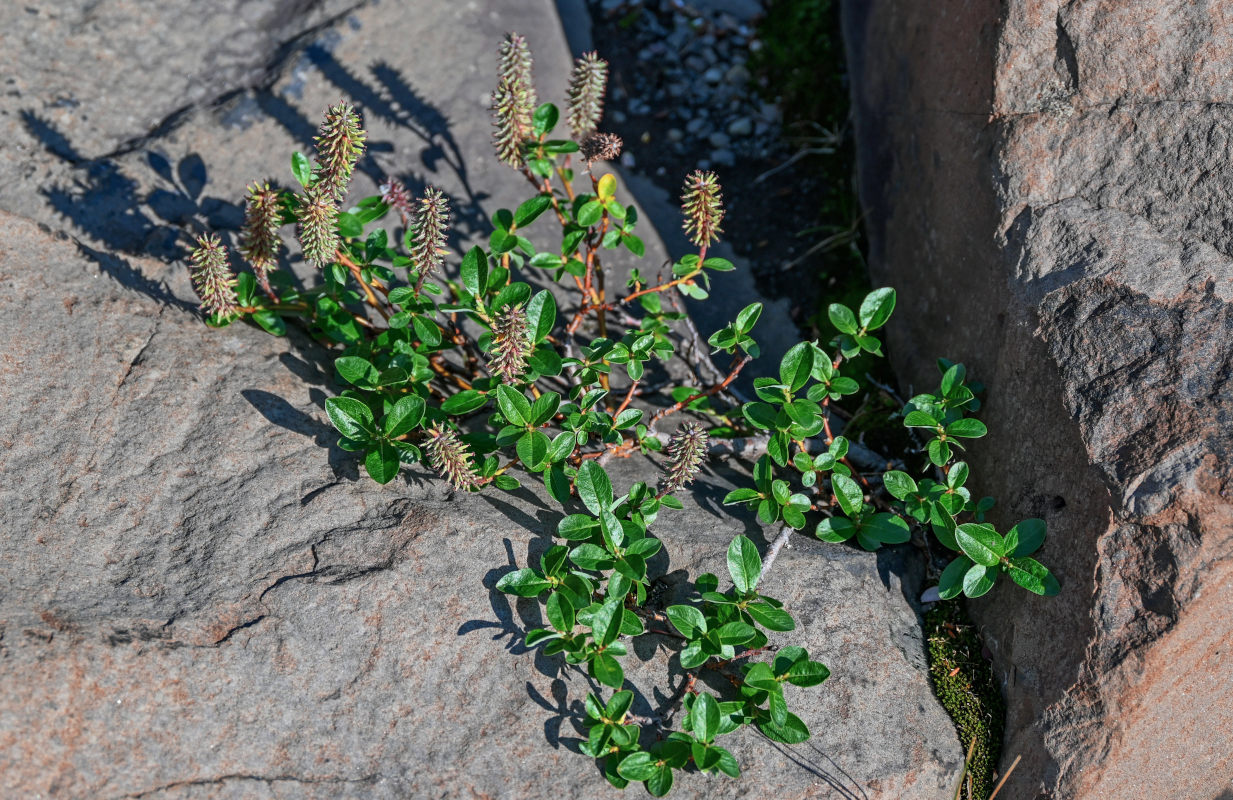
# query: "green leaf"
627,419
899,484
796,366
939,452
760,677
660,783
514,405
919,419
741,496
887,529
808,673
693,656
606,622
544,119
848,492
842,318
958,475
357,371
352,418
748,317
744,564
688,620
718,264
577,527
464,402
760,415
771,618
404,415
301,168
349,226
594,487
704,717
560,612
792,732
531,209
877,307
978,580
950,585
590,213
607,670
980,542
953,378
532,449
591,556
735,632
474,271
542,314
426,330
1030,535
968,428
638,766
381,462
1033,576
270,322
835,529
524,582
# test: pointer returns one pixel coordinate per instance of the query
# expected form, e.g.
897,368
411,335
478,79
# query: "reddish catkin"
450,457
212,277
702,202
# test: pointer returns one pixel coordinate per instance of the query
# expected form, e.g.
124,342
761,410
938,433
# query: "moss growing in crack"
963,681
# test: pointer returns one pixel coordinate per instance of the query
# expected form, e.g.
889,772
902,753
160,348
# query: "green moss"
963,681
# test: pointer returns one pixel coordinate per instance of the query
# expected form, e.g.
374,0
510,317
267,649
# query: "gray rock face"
1047,185
199,596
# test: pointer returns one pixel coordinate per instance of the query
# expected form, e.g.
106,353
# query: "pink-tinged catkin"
318,226
514,100
600,147
260,241
702,203
395,195
511,345
685,451
450,457
587,83
212,277
340,143
429,228
514,62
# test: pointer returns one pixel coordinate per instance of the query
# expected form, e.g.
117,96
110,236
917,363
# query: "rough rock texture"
199,596
1047,184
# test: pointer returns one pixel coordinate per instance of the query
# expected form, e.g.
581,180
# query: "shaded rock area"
200,597
1048,184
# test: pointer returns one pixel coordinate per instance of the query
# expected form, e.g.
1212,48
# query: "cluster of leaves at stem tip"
476,375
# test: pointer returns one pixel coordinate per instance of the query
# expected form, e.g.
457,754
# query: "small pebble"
719,140
742,126
723,157
675,134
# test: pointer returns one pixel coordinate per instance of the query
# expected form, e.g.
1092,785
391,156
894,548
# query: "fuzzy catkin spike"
511,114
685,451
586,94
600,147
450,457
340,143
511,344
514,100
259,240
702,203
318,226
514,63
212,277
429,227
395,195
